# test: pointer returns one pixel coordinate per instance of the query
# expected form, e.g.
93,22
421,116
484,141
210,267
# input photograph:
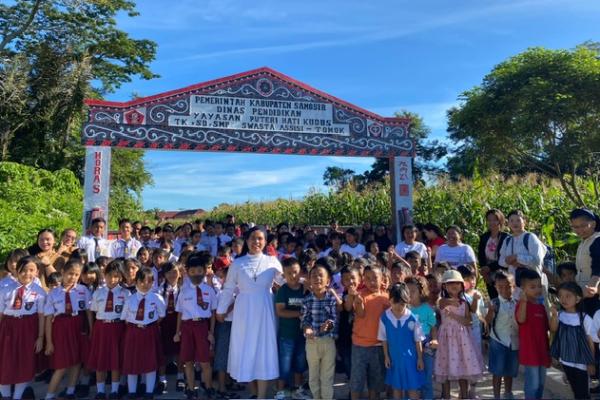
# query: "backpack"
549,261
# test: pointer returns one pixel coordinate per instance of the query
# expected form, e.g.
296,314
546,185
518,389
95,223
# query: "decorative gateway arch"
259,111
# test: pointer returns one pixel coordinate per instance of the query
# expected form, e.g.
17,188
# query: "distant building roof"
180,214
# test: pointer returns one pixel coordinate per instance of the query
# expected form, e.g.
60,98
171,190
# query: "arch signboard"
259,111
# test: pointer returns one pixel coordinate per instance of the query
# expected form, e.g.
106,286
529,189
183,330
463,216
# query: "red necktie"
199,298
139,315
19,298
171,302
109,307
68,305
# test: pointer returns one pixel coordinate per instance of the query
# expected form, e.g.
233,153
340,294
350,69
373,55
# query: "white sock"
101,386
5,390
19,389
180,375
163,378
50,396
71,390
132,383
150,381
114,387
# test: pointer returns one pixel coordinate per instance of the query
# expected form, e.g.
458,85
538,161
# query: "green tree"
538,110
51,51
337,177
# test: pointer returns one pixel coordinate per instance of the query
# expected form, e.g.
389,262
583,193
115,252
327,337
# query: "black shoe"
100,396
82,391
114,396
160,388
210,393
190,394
171,368
44,376
141,389
28,394
180,385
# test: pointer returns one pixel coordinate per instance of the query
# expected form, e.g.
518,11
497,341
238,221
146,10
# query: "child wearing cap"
457,358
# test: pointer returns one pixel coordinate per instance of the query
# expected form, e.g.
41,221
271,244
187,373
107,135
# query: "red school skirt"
67,339
168,328
106,346
194,341
17,348
142,349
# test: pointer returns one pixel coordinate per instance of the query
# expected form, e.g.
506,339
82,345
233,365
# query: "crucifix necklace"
256,269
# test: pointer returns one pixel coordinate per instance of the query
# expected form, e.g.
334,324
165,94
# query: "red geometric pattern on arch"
172,121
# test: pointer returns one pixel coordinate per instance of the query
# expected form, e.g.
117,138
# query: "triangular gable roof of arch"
185,119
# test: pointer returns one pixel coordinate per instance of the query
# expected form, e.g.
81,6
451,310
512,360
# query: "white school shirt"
125,249
416,326
55,301
165,291
225,239
217,284
9,280
99,298
460,254
88,244
178,244
154,308
187,302
151,244
32,303
531,256
573,320
210,243
596,327
402,248
356,251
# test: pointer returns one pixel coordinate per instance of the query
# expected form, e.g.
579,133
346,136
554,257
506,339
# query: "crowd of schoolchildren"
397,319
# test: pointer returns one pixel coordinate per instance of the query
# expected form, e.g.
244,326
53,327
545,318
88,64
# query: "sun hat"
452,276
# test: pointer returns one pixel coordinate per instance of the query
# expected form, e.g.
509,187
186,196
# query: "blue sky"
382,55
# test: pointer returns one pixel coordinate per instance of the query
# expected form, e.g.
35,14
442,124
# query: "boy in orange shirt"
367,352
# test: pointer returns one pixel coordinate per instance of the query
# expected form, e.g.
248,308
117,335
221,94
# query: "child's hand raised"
476,297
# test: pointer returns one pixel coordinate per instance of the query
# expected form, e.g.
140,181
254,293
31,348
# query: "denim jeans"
292,358
534,382
427,388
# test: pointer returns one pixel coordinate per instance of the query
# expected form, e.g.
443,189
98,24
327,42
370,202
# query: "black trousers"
579,382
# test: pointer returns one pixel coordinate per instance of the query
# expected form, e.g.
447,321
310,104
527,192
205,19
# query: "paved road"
556,388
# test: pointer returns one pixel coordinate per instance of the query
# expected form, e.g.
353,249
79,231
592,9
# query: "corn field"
444,202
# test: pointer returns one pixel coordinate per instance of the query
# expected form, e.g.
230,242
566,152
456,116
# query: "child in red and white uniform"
109,330
142,346
169,291
196,306
21,328
66,310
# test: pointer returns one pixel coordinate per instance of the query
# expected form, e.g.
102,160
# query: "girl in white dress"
253,344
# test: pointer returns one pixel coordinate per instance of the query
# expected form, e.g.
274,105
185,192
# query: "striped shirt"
315,312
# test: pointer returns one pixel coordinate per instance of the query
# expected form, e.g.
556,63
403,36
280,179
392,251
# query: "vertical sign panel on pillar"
96,185
403,193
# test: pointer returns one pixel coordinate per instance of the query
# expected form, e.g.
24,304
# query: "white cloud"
393,31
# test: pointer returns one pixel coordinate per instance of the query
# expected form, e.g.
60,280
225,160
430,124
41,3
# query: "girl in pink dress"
457,356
